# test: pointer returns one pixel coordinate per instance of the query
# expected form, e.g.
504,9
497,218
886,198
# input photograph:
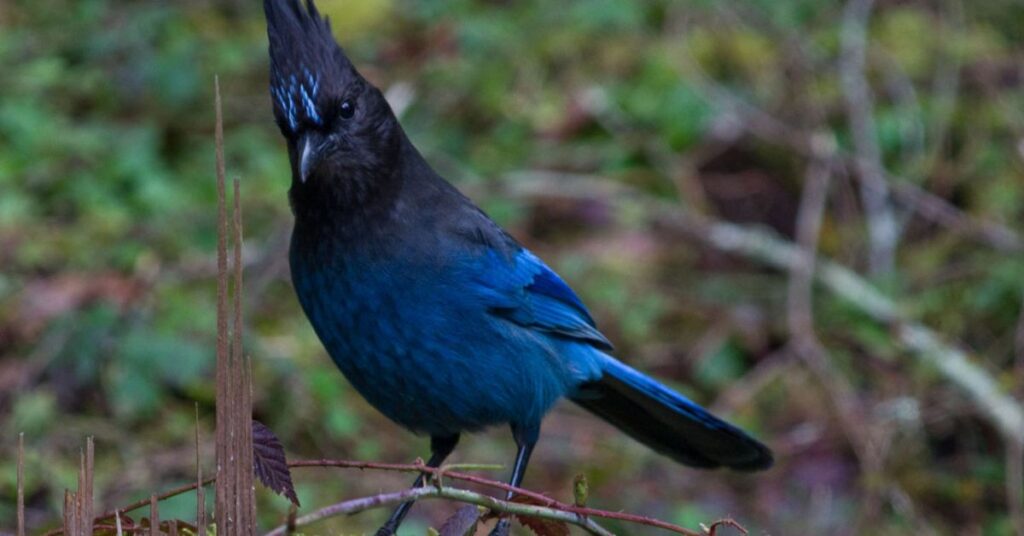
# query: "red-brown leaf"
540,527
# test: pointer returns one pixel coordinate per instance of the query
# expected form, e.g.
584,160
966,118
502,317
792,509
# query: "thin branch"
1015,483
808,229
431,492
235,503
69,526
542,499
117,512
1018,342
154,516
21,484
200,490
242,416
860,112
224,469
140,503
88,468
800,309
289,525
805,342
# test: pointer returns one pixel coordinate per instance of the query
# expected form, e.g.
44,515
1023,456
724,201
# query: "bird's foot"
501,529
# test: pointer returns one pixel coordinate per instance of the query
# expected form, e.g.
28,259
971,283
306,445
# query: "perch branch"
579,515
432,492
542,499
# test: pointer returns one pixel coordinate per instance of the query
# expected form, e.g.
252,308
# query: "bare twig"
541,499
743,390
805,343
1015,482
70,526
728,522
200,490
79,495
154,516
78,503
808,229
225,465
577,513
881,222
430,492
422,468
1018,341
87,486
236,514
21,484
243,374
143,502
139,504
800,307
289,525
900,88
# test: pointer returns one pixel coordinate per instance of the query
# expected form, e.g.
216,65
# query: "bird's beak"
310,148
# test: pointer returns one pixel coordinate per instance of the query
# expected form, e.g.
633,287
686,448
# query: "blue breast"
421,348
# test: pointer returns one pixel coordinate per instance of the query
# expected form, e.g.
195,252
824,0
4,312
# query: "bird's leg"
526,438
440,448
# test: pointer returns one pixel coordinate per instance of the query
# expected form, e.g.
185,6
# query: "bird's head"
338,126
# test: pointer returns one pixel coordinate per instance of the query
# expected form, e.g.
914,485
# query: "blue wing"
524,290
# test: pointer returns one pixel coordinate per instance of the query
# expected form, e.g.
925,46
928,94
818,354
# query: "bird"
437,316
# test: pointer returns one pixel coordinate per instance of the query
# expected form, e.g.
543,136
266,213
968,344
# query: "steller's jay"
438,317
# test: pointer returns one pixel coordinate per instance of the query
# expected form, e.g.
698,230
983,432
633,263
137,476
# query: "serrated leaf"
539,526
462,523
270,464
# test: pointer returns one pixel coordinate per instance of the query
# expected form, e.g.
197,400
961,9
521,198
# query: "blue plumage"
439,318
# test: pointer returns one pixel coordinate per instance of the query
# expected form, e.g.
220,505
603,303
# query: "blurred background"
805,214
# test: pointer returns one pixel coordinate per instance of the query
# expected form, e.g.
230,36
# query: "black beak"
311,148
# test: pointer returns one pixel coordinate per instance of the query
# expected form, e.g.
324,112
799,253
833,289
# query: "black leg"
440,448
526,438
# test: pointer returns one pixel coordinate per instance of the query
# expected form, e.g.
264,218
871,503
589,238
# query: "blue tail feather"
668,422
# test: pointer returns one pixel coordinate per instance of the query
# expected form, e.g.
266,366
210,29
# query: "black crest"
306,63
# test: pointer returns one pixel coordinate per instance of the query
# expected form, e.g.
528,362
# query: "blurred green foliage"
107,235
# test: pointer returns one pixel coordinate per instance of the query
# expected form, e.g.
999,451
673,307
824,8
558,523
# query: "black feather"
308,69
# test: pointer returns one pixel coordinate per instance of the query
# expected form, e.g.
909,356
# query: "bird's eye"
347,109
